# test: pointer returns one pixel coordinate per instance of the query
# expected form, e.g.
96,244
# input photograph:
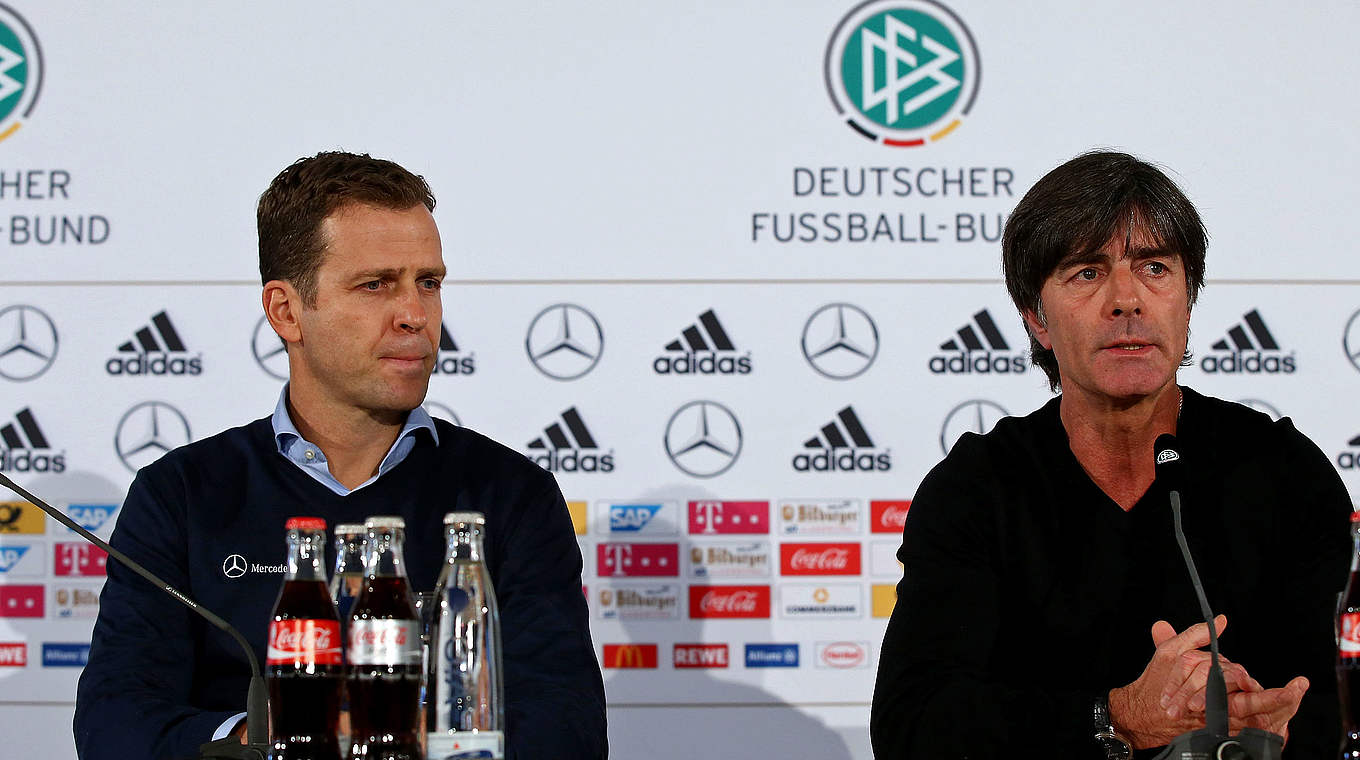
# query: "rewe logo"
450,360
901,72
554,451
145,355
25,448
13,655
978,348
693,353
843,447
1238,353
1350,459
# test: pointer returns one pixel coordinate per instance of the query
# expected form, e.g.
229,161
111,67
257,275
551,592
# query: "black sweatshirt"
1027,591
160,679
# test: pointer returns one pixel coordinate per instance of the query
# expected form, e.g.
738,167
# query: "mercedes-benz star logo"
840,341
703,438
441,411
1351,342
975,416
147,431
1261,406
28,342
234,566
564,341
269,351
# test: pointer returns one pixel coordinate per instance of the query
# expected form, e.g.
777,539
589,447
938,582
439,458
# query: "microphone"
257,702
1212,741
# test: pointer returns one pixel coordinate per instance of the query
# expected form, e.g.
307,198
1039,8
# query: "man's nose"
1124,298
412,313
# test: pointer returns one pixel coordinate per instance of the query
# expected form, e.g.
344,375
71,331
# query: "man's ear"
1037,329
282,304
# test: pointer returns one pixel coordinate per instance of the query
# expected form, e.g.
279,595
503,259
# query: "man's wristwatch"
1111,743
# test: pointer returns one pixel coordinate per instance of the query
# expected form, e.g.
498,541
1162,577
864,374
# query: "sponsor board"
884,598
771,655
22,559
65,655
819,559
13,654
824,600
819,517
73,601
842,445
703,348
577,510
686,656
888,515
716,517
568,445
91,517
730,560
1249,348
637,602
842,655
622,560
20,517
625,518
625,656
77,558
21,601
729,602
883,559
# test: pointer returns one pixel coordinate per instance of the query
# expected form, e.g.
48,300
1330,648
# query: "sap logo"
10,556
91,516
631,518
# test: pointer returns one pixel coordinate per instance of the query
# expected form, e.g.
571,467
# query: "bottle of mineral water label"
465,698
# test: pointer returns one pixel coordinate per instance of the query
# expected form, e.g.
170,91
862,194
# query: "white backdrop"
642,162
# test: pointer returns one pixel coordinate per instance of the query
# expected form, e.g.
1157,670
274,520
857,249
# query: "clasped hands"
1167,700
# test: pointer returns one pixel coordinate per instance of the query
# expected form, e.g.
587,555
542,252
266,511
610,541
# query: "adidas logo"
842,445
145,355
1350,460
21,444
1239,353
569,449
978,347
703,349
452,365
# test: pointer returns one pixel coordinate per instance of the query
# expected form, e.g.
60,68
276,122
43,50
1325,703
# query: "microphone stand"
257,699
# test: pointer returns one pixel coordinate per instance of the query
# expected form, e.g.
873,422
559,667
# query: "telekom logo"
712,517
639,559
820,559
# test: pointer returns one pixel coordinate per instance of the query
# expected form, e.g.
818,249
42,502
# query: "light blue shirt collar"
312,460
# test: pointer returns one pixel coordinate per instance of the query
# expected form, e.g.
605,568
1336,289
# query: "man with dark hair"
1044,608
352,267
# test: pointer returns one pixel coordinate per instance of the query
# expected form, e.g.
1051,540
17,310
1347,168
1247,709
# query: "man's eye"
371,285
1157,267
1087,274
431,284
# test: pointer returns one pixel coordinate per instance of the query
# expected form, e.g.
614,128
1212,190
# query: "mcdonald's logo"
630,656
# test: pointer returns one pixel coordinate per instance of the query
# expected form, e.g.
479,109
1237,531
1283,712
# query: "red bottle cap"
1355,516
305,523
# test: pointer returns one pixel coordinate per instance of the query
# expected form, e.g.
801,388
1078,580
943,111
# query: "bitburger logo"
28,342
26,448
568,446
1249,348
155,349
902,72
450,360
21,71
978,348
842,445
703,349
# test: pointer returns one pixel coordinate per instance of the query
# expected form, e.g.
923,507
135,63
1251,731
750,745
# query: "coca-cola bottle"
347,580
1348,659
304,664
384,651
465,697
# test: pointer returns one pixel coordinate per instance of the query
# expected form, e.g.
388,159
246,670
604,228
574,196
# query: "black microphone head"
1168,460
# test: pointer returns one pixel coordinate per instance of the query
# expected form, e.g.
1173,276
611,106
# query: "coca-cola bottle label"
384,642
304,642
481,744
1350,634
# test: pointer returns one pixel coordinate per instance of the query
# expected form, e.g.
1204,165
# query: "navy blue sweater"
160,679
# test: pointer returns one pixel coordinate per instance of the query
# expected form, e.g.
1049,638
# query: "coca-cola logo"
304,641
1350,634
740,601
889,516
843,654
378,637
729,601
820,559
298,639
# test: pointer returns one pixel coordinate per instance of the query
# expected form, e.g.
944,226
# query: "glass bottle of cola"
1348,651
347,579
384,652
465,696
303,664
